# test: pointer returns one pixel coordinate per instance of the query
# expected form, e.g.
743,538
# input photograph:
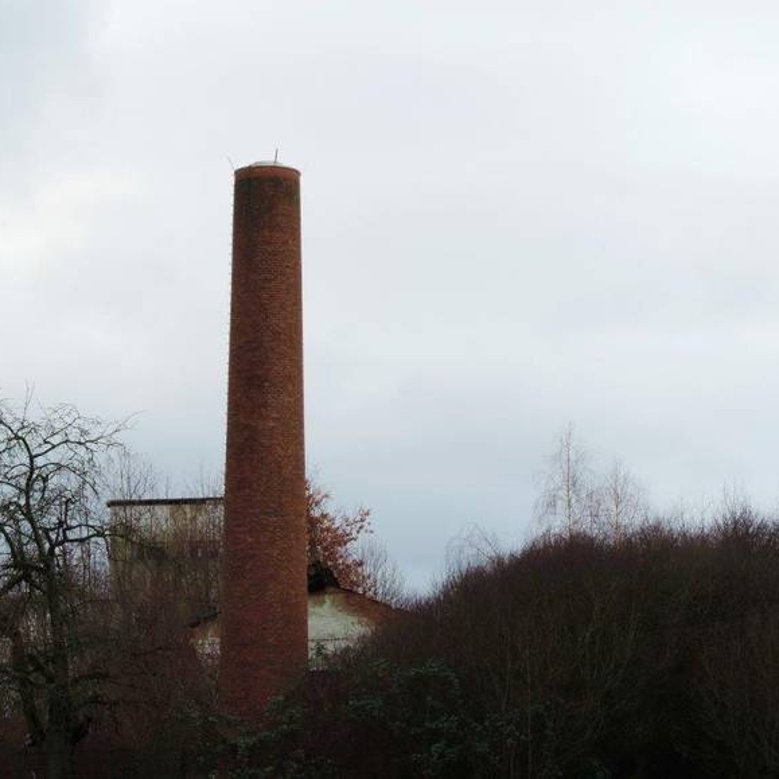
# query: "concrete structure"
168,551
337,619
174,545
264,629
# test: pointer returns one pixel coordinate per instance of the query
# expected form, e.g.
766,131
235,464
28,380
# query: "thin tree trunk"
59,752
59,744
25,689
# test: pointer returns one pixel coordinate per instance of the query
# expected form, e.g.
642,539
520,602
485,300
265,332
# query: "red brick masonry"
263,600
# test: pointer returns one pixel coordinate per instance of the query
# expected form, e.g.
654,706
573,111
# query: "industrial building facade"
171,549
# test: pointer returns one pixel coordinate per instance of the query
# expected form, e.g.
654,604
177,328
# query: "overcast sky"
515,215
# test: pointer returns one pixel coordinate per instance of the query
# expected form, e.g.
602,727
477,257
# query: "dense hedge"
652,654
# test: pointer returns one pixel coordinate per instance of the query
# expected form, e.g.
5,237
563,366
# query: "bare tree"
576,498
621,501
474,547
382,577
567,501
52,572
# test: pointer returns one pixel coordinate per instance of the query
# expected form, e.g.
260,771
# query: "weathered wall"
336,619
339,618
167,552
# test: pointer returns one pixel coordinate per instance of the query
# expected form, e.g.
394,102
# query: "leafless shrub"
383,579
645,653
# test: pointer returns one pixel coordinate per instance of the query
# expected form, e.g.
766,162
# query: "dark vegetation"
652,654
613,647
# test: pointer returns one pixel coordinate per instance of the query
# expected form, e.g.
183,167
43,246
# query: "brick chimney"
264,627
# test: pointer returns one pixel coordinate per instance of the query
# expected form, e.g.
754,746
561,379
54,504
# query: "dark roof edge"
164,501
212,614
366,597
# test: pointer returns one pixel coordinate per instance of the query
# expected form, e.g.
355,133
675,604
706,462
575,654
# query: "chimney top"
265,168
268,163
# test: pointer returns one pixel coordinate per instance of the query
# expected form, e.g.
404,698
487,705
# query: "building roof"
165,501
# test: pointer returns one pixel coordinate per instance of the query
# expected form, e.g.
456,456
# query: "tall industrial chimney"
264,643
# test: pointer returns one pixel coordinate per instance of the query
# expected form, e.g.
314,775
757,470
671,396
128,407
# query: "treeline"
652,652
611,646
643,654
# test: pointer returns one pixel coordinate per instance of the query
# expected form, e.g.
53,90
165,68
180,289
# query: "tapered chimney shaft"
264,642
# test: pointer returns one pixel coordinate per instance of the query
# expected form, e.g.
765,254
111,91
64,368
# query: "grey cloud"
515,215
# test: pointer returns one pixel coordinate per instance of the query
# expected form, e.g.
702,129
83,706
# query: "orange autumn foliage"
332,537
